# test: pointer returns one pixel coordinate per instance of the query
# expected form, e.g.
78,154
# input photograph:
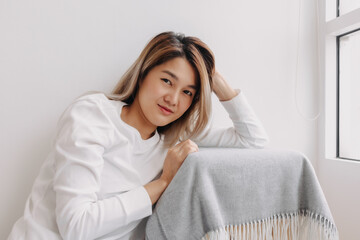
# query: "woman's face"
167,92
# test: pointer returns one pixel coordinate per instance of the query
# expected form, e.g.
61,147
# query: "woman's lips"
165,110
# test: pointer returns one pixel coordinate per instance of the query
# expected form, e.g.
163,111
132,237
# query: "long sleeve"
84,134
246,132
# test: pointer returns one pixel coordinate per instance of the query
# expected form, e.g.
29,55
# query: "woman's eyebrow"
177,79
171,74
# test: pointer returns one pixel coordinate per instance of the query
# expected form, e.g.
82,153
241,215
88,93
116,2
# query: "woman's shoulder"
96,98
92,96
91,104
88,116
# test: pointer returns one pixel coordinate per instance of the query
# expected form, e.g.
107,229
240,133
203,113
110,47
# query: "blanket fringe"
302,225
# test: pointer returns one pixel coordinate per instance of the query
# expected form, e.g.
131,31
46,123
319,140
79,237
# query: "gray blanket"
243,194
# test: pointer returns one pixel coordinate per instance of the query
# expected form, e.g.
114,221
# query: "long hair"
164,47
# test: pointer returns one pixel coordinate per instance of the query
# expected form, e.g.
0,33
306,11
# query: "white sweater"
91,184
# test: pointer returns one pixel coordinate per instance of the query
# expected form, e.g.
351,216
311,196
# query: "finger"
188,143
182,144
186,150
193,144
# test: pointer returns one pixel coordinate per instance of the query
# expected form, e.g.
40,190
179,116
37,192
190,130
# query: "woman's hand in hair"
175,157
221,87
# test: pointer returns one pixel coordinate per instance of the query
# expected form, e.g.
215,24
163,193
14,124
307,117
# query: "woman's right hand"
175,157
173,161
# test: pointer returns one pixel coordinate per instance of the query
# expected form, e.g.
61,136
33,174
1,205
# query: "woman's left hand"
221,88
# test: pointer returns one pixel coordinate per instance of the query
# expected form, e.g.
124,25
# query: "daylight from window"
346,6
349,96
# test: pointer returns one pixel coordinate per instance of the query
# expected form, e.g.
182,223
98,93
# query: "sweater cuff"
136,203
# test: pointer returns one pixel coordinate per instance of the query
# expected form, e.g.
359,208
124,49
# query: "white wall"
53,51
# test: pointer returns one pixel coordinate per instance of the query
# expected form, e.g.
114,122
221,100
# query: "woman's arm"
222,89
85,132
247,130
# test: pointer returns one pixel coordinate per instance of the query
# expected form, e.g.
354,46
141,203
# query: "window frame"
331,28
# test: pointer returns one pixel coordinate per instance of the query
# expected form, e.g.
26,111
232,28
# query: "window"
345,6
349,95
339,49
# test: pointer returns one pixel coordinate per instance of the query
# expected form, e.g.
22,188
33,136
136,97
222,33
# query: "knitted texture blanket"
243,194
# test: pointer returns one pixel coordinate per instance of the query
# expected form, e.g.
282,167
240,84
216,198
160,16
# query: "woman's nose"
172,98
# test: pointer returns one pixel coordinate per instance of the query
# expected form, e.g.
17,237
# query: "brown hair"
164,47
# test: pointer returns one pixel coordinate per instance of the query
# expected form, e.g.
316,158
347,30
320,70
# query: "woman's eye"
167,81
188,93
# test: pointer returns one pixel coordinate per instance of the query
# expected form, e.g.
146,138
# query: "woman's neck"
133,116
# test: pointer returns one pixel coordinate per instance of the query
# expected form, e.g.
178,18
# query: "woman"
113,156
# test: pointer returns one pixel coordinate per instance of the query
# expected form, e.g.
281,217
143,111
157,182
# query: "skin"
169,86
165,94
